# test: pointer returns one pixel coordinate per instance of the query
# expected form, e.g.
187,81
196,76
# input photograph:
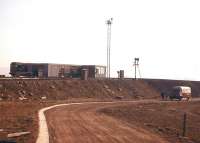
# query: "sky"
165,35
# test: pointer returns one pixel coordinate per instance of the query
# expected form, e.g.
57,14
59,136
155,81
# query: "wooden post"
184,124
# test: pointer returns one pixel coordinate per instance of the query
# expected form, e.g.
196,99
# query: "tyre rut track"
82,123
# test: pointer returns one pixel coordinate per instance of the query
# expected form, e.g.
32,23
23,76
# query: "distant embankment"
64,89
163,85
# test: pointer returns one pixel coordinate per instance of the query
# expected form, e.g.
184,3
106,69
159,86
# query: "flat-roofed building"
18,69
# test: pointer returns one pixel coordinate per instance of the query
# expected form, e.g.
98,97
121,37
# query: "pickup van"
181,93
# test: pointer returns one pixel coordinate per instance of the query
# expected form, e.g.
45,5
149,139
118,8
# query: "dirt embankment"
163,85
163,118
34,89
66,89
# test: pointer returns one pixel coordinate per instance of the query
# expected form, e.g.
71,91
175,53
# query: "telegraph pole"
184,124
109,23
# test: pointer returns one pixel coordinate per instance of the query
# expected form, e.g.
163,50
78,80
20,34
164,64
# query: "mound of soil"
38,89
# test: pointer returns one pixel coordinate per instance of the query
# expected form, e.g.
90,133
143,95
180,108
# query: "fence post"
184,124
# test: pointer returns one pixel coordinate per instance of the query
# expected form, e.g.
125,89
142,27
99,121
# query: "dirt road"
83,124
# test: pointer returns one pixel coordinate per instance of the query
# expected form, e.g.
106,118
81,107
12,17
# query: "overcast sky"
164,34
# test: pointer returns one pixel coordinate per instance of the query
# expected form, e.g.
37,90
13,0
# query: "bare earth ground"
155,119
117,122
19,117
20,99
82,124
164,119
127,122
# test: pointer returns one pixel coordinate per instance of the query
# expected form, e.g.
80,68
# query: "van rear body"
181,92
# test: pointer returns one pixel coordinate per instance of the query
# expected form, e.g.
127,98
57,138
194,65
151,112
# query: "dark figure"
162,95
166,97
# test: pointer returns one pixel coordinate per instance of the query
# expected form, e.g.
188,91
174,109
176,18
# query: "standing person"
162,95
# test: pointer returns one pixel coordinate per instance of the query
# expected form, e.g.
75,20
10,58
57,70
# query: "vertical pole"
108,22
184,124
135,69
109,46
107,50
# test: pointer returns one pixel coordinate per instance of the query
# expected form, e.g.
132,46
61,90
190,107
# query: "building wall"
100,71
59,70
56,70
28,69
40,70
95,71
91,70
